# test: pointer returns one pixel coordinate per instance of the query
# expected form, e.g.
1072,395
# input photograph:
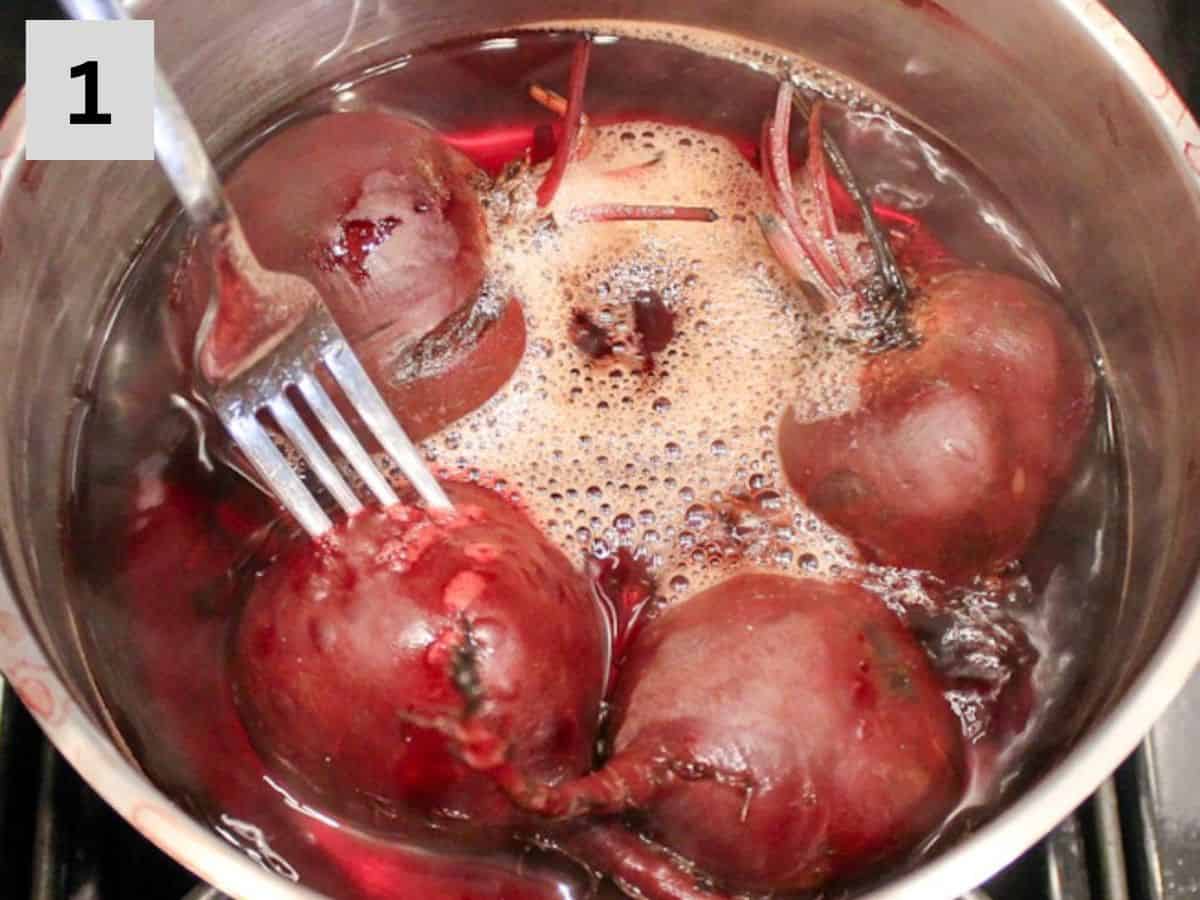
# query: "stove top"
1138,838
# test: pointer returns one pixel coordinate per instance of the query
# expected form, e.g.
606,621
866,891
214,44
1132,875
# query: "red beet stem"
552,100
791,256
632,861
778,175
636,168
870,214
631,212
557,103
574,115
818,180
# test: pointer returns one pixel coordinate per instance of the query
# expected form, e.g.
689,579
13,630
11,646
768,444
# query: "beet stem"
885,258
631,212
636,168
778,177
818,182
557,104
552,100
791,256
632,861
572,122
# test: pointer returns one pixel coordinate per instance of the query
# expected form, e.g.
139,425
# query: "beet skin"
959,447
777,733
360,655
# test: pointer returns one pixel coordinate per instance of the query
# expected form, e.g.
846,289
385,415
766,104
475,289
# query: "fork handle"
177,146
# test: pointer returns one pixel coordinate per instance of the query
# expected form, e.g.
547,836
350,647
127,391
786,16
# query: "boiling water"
670,457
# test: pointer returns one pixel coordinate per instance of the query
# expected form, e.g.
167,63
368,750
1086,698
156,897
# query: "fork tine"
318,460
275,471
338,429
348,371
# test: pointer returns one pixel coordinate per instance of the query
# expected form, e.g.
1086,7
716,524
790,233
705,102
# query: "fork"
294,338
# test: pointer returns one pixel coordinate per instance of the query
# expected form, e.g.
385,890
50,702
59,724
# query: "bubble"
769,501
698,516
679,584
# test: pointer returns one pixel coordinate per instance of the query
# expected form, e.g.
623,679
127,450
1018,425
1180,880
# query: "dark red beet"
186,532
775,732
384,217
958,447
454,369
357,655
376,209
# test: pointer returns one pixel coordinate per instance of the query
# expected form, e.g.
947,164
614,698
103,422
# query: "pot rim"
970,863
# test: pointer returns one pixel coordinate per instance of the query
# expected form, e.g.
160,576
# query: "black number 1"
90,71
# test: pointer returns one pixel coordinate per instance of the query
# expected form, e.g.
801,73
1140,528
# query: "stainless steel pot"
1051,97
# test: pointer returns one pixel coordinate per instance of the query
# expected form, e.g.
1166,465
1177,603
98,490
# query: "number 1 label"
90,72
89,90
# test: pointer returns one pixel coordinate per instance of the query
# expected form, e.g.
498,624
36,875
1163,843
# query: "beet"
384,217
960,446
358,656
776,733
972,411
189,529
451,371
376,209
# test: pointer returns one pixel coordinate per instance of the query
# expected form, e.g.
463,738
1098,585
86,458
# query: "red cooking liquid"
168,547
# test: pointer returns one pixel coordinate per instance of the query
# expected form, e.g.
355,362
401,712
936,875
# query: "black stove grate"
1138,838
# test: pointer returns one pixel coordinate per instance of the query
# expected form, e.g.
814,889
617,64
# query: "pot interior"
1025,94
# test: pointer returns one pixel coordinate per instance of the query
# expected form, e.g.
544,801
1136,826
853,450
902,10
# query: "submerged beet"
777,733
356,657
378,210
970,416
959,447
384,217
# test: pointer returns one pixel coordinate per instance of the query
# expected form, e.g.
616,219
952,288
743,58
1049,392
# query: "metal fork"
289,354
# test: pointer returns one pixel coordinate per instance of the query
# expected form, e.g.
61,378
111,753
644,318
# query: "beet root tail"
638,867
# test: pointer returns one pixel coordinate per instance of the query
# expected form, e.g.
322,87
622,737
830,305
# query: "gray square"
89,90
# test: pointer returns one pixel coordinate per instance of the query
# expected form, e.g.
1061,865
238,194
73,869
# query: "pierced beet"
776,733
357,654
379,211
385,218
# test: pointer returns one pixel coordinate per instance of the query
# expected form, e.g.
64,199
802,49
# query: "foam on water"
678,462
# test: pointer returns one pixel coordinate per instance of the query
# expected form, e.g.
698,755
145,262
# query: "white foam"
607,456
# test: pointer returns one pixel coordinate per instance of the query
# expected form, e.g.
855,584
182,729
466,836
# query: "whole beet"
776,733
384,217
376,208
360,657
958,447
